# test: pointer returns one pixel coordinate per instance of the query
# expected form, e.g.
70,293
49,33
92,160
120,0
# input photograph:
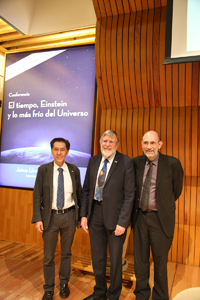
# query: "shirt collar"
64,167
110,159
154,161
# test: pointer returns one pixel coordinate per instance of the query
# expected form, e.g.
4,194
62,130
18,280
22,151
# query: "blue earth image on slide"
39,156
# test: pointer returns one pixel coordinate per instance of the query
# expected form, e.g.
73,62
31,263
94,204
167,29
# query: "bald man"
159,180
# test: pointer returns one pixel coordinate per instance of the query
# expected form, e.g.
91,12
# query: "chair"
188,294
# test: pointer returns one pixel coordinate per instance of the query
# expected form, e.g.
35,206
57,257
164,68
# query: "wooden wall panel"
114,62
146,120
118,127
181,88
126,71
122,30
15,217
137,52
109,62
135,133
98,66
156,67
132,60
103,66
195,83
106,8
175,84
129,132
124,132
130,71
126,6
144,58
150,58
169,150
162,70
120,7
113,7
188,86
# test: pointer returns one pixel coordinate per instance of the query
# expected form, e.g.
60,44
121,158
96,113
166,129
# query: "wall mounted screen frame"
181,31
47,94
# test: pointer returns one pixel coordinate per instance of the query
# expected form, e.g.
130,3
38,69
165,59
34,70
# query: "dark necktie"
144,204
60,190
101,181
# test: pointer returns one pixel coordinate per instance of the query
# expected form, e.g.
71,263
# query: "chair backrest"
189,294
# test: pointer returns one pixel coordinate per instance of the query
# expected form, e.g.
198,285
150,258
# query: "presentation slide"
182,43
47,94
193,25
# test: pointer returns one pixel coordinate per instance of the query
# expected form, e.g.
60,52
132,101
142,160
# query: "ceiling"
40,24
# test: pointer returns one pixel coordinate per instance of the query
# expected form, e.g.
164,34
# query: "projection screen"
47,94
182,42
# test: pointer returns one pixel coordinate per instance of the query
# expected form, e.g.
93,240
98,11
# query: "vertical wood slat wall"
138,93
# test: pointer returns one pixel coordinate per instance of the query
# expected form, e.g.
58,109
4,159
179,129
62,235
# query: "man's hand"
39,226
84,224
119,230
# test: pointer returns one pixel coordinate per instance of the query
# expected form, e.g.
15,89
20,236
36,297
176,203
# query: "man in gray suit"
56,199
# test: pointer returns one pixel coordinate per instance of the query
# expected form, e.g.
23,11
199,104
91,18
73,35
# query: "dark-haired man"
159,181
56,199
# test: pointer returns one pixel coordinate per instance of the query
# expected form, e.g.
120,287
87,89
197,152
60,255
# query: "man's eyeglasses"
149,143
108,142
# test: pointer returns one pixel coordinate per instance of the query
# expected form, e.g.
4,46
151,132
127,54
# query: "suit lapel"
95,169
50,175
72,174
160,171
141,172
114,165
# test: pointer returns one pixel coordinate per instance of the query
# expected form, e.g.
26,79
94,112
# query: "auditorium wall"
136,92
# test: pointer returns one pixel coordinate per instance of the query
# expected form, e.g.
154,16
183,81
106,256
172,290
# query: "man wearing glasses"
159,180
106,205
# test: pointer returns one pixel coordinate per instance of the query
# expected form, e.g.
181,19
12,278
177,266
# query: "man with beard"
106,206
159,180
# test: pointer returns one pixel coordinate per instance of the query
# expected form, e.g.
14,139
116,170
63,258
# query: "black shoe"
48,295
64,290
94,297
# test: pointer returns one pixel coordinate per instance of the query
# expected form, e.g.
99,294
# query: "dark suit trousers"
65,225
100,236
149,233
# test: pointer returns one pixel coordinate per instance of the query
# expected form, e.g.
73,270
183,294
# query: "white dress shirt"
68,189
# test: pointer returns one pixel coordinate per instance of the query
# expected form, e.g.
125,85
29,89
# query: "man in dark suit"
56,200
159,180
106,206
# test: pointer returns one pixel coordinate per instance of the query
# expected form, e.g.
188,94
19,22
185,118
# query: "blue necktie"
60,190
101,181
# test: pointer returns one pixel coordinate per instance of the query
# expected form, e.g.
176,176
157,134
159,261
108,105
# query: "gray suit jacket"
169,185
118,192
43,192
